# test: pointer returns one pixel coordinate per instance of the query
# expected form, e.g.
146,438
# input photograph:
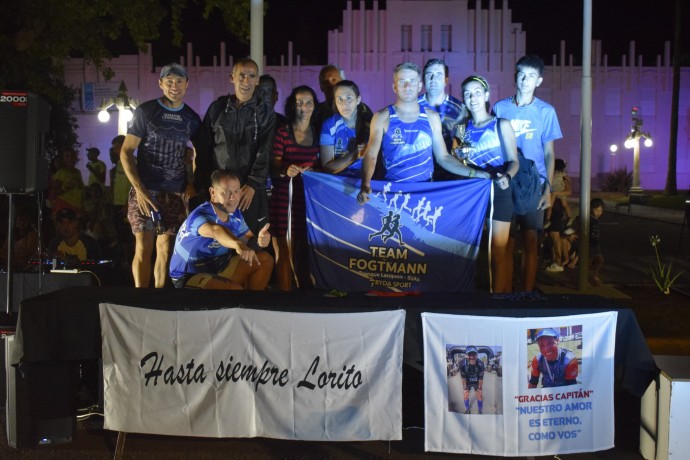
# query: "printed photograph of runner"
475,383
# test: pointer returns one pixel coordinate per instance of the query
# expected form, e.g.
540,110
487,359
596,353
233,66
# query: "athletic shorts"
200,280
172,206
530,221
503,204
256,216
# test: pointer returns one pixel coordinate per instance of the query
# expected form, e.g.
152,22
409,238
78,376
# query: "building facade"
483,41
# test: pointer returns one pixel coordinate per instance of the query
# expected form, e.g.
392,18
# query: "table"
25,285
64,326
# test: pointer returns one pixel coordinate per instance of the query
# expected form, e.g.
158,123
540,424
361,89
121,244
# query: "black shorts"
502,204
530,221
256,216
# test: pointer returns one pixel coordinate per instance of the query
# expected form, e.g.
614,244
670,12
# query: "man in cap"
70,243
159,132
557,366
472,374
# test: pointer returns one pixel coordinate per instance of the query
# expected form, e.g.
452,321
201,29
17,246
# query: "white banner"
246,373
519,386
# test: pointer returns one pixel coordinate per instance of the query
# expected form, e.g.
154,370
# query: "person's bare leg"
141,262
510,253
529,259
502,281
160,269
283,268
565,251
255,276
218,282
566,208
556,248
259,279
597,263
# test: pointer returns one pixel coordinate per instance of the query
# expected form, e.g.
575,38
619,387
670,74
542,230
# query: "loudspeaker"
24,124
38,413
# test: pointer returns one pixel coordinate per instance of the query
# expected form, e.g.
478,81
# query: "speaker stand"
10,250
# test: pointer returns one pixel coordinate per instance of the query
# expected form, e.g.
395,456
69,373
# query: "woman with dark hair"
486,143
344,135
295,150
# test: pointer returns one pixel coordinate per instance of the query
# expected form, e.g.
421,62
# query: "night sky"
546,23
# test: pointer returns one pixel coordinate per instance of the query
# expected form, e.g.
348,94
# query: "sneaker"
554,267
467,411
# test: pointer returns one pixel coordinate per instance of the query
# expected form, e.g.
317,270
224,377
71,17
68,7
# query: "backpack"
527,188
526,184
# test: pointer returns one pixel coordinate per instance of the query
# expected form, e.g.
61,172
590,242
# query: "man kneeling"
215,249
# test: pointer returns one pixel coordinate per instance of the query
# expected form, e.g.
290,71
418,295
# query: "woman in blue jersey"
344,135
486,143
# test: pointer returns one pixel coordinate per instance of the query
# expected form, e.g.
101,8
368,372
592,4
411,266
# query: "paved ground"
665,319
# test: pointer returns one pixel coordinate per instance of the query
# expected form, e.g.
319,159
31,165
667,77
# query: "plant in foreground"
663,276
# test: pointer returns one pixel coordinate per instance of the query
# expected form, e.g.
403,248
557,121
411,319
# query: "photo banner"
519,386
409,237
248,373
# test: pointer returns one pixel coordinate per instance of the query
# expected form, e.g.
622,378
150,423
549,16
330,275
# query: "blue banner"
409,237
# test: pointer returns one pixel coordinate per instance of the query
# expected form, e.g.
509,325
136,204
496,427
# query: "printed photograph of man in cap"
552,358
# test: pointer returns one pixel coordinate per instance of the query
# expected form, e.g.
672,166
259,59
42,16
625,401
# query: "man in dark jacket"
237,133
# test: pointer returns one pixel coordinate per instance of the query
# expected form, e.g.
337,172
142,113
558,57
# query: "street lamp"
125,105
613,148
632,141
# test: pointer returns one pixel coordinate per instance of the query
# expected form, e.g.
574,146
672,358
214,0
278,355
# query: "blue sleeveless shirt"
407,149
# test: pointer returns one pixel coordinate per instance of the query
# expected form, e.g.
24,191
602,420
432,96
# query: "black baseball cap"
66,213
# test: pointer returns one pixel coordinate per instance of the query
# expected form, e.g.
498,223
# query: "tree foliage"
38,36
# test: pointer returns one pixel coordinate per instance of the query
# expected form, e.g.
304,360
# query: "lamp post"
125,105
613,148
632,141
